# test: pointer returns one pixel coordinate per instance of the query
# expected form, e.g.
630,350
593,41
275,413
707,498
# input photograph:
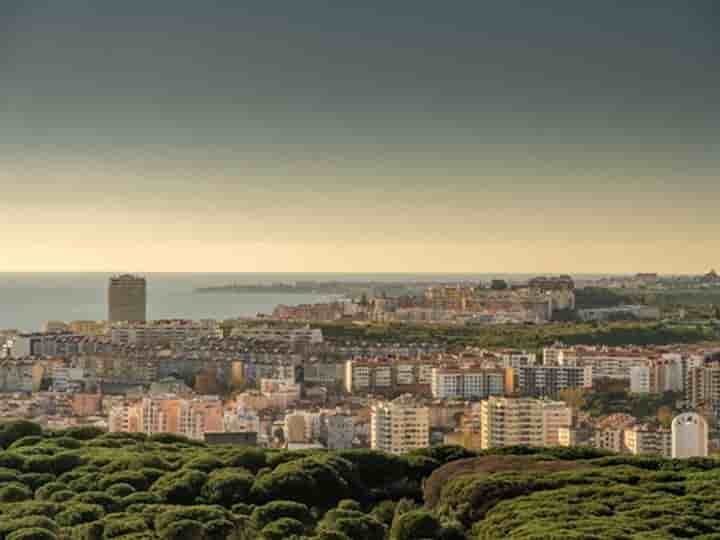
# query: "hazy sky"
260,135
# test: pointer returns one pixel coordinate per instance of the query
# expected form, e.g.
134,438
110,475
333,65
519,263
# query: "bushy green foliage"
282,529
14,492
34,533
78,513
415,524
16,430
181,487
272,511
228,487
168,488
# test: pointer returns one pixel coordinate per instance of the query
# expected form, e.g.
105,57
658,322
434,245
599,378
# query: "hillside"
83,484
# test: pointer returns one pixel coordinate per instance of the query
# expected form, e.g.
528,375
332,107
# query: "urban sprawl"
300,378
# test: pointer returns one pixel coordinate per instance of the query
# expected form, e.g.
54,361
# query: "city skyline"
403,138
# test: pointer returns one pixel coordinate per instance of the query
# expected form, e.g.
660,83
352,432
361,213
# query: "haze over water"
28,300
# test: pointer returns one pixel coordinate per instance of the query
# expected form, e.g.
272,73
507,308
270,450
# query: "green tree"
414,525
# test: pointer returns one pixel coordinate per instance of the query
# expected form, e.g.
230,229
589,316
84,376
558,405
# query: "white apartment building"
467,383
517,359
522,421
400,425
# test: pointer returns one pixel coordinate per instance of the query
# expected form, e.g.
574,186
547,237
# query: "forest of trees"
530,337
84,484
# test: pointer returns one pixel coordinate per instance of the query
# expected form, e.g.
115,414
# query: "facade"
642,439
689,436
127,299
467,383
546,380
338,431
169,414
522,421
400,425
703,386
385,375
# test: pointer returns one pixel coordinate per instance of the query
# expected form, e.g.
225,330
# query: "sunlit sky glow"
391,136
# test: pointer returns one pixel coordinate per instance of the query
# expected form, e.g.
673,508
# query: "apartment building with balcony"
522,421
467,383
400,425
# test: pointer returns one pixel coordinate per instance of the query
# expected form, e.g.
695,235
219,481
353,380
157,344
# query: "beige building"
399,425
127,301
643,439
522,421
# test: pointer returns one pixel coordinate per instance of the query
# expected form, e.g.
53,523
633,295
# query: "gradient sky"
260,135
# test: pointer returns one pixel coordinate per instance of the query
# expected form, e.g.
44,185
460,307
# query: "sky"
425,136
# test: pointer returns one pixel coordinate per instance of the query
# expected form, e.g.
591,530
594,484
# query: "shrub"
219,529
415,524
242,509
30,440
14,492
361,528
115,528
67,442
87,482
66,461
36,480
108,502
16,430
182,487
120,490
78,513
62,496
84,433
30,509
183,530
32,534
12,460
9,526
252,459
40,464
136,479
206,463
141,498
88,531
264,515
349,504
44,492
202,514
282,529
227,488
313,481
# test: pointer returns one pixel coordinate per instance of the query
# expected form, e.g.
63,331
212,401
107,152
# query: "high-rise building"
400,425
127,300
522,421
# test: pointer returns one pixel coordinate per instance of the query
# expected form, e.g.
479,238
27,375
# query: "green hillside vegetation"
522,336
83,484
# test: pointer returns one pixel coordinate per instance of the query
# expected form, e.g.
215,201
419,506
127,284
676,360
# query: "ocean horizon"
29,299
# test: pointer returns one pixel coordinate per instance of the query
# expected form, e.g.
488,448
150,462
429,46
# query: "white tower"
689,436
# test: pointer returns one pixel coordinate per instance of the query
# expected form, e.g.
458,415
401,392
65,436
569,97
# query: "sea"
28,300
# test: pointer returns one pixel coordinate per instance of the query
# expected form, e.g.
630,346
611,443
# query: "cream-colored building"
522,421
643,439
399,425
689,436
